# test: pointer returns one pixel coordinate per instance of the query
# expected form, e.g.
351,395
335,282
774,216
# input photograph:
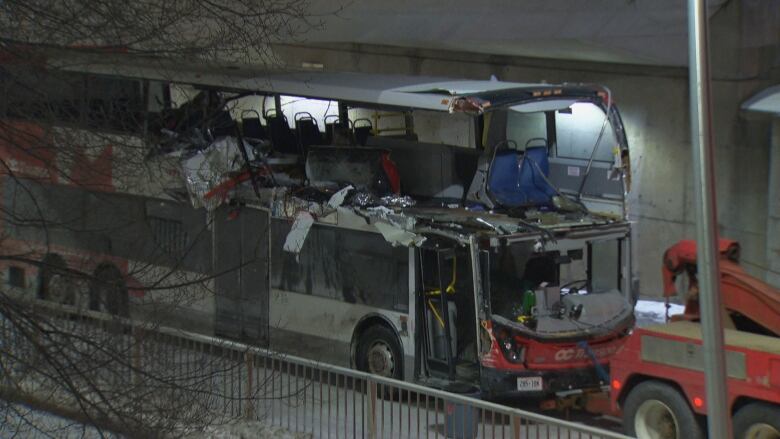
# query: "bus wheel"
107,291
655,410
757,421
54,284
378,353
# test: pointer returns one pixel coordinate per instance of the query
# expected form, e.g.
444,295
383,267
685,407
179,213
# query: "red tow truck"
657,378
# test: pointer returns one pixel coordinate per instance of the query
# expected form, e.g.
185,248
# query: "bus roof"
423,92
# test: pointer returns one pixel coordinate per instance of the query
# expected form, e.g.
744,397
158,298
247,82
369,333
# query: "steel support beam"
718,418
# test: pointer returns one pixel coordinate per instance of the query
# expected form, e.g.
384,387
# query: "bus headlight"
513,351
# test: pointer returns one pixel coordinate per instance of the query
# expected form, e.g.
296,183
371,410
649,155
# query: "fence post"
250,406
516,424
372,409
138,334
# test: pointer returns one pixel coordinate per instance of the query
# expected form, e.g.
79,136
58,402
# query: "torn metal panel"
469,104
380,211
205,170
397,201
398,218
398,236
294,241
337,199
285,205
364,199
457,237
489,224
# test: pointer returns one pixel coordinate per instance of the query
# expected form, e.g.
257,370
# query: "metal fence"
210,380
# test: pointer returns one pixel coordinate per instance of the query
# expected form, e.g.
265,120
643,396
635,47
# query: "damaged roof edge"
430,93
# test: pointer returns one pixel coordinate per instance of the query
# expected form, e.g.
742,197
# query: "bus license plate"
528,384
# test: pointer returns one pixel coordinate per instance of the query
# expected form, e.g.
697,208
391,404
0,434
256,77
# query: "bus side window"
373,272
114,104
58,97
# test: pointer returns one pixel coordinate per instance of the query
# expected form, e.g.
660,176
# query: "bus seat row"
521,179
306,133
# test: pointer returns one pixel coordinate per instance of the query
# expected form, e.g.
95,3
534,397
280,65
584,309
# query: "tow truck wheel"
655,410
757,421
378,353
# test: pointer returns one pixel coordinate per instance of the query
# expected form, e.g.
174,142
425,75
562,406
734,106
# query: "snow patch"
247,430
651,312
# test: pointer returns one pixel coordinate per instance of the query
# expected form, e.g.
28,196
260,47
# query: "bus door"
241,266
446,313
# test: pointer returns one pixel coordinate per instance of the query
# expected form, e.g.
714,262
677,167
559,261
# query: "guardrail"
140,370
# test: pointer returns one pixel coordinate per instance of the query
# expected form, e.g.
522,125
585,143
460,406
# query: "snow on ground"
19,421
652,312
246,430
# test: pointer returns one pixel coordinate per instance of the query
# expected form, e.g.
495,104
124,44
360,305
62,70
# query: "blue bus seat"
517,180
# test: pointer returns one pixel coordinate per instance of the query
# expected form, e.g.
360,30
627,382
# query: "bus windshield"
557,290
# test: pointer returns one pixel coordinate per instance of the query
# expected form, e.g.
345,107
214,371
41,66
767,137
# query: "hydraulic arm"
746,300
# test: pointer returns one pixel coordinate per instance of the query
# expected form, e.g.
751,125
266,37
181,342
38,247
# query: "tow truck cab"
657,379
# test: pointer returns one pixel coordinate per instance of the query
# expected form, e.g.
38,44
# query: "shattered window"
515,270
526,282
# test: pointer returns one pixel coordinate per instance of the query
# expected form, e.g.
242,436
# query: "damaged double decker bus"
469,235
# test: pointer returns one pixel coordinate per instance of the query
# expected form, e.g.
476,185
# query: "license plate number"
529,384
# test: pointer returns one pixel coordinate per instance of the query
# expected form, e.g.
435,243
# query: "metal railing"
210,380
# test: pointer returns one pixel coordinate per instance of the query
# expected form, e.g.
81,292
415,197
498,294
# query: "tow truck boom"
657,379
749,303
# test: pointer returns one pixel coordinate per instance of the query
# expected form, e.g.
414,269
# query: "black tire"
757,420
108,292
656,410
378,352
